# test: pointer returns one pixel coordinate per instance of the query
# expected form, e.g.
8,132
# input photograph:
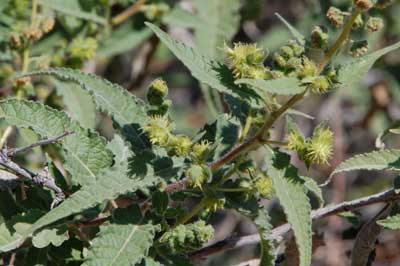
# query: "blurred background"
133,58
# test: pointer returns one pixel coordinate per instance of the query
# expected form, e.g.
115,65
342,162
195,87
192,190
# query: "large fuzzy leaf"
292,195
109,185
353,72
376,160
86,153
207,71
219,22
128,112
122,243
73,8
78,103
283,86
264,228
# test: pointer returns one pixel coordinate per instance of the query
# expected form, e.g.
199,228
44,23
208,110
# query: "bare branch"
13,152
44,179
235,242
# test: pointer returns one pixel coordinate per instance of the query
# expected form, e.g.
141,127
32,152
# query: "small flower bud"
319,37
201,150
286,52
158,129
15,41
335,16
294,63
48,24
155,11
157,92
319,148
364,5
383,3
197,175
295,141
242,56
332,75
279,60
33,33
217,203
307,69
358,22
181,144
374,24
21,82
83,48
264,185
359,48
320,84
187,238
298,50
258,72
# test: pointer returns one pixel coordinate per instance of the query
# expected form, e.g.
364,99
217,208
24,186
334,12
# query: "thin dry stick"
45,179
13,152
130,11
236,242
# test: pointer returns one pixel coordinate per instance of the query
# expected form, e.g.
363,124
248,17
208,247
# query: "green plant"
122,201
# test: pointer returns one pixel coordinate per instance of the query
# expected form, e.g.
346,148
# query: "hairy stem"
195,210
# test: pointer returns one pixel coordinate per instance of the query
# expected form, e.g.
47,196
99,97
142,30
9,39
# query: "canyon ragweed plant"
145,194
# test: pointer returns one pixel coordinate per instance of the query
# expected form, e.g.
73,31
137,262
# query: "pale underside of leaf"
376,160
120,245
86,152
292,196
391,222
354,71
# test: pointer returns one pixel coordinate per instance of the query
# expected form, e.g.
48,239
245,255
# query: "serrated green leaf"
86,153
72,8
376,160
351,74
78,103
124,243
282,86
264,228
127,111
300,37
205,70
313,187
292,195
109,185
54,236
180,17
391,222
219,21
123,39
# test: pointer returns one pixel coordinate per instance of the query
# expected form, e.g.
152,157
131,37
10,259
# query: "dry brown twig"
42,179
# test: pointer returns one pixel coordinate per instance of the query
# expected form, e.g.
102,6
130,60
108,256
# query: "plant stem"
130,11
339,41
196,209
